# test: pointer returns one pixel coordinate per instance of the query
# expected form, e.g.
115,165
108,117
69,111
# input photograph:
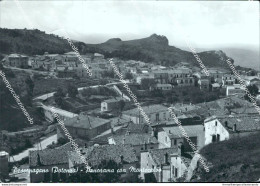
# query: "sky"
203,23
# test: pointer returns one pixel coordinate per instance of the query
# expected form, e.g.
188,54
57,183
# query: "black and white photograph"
131,91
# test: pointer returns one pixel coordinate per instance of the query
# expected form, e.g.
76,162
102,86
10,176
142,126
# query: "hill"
153,49
156,49
234,160
12,117
31,42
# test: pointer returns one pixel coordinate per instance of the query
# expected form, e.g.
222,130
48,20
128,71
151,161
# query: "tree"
121,104
147,83
128,75
253,90
72,91
58,97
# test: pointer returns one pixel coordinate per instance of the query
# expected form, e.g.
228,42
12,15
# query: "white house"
221,128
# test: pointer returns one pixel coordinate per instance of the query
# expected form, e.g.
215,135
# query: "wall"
212,129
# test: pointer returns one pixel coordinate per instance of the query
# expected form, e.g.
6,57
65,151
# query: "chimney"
180,149
166,156
123,140
122,158
112,130
145,146
235,127
226,124
170,132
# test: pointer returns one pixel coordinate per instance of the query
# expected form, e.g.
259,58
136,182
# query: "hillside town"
111,132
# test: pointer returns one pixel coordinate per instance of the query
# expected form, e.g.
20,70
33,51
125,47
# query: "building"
220,128
157,160
163,87
139,141
95,155
228,79
185,81
204,83
4,161
155,113
111,104
48,112
235,89
49,160
170,137
161,76
84,127
17,60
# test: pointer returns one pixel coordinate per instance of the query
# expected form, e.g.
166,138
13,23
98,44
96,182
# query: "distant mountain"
154,49
243,56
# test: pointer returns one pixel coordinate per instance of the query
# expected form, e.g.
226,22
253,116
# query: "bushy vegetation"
234,160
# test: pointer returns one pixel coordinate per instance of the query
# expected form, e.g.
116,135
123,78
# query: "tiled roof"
243,123
86,122
49,156
245,110
191,130
135,139
96,154
158,154
147,109
137,128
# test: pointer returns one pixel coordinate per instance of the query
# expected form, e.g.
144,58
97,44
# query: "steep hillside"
154,49
12,117
31,42
234,160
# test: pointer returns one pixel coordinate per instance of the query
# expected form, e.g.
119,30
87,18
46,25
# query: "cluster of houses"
159,150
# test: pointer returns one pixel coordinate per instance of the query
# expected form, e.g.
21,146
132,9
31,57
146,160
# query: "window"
218,137
176,172
175,142
157,117
216,123
214,138
165,139
164,115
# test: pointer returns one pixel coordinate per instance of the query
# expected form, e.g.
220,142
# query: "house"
250,80
228,79
49,160
111,104
185,81
155,113
17,60
163,87
215,86
235,89
139,141
121,154
48,112
220,128
83,126
158,162
140,77
170,137
204,83
161,76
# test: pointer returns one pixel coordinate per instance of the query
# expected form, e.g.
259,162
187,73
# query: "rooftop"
135,139
85,122
191,130
158,154
147,109
49,156
96,154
